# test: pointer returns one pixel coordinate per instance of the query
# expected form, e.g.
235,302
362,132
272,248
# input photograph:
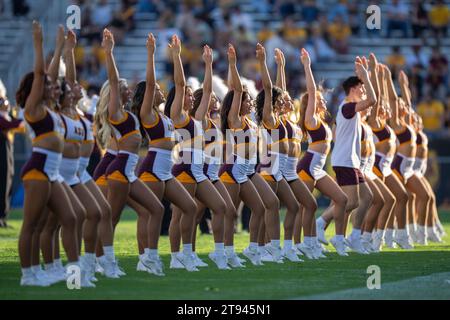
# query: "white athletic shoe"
367,245
265,255
45,277
89,268
187,260
321,235
307,250
85,282
297,250
389,239
318,253
421,236
440,229
33,281
377,243
356,245
175,263
291,255
433,236
220,260
234,261
118,269
108,267
153,266
253,255
198,262
403,242
339,246
275,252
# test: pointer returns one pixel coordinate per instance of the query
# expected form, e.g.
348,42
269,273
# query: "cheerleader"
40,173
114,121
189,167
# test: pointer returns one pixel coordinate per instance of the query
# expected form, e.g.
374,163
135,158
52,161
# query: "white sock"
339,237
27,272
356,234
109,252
321,223
146,251
380,233
308,241
49,266
389,233
174,254
420,228
430,230
412,227
288,244
142,256
36,268
401,233
187,248
253,245
89,257
229,250
58,263
275,243
220,248
153,253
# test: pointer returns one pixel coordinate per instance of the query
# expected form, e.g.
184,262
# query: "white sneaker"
403,242
433,235
275,252
421,237
108,267
89,268
85,283
321,235
187,261
118,269
220,260
297,250
253,255
234,261
33,281
356,245
57,274
45,277
265,255
307,250
153,266
339,246
291,255
367,245
389,239
98,267
175,263
198,262
377,243
440,229
318,253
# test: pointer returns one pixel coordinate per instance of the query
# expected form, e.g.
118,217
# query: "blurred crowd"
324,29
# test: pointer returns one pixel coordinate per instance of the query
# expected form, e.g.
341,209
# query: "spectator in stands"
7,127
447,115
398,15
322,50
440,18
339,33
417,58
2,7
265,33
293,33
310,11
278,41
432,111
417,81
354,17
239,18
102,14
438,72
339,9
396,60
419,18
20,8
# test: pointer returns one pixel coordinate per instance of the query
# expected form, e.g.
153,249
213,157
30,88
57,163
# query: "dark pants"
6,175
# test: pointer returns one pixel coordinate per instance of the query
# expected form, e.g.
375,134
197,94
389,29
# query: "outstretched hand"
207,54
305,58
360,70
37,33
260,52
279,57
71,40
231,54
175,45
108,41
60,37
151,43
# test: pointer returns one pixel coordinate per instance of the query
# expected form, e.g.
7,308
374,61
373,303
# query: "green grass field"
332,278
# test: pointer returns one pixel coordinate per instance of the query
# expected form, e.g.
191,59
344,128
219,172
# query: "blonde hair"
102,124
304,105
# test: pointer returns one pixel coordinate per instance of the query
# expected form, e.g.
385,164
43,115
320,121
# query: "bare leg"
401,195
370,220
252,199
308,205
416,186
141,225
388,207
80,213
365,201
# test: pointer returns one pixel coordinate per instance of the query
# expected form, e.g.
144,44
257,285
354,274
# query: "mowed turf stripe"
433,287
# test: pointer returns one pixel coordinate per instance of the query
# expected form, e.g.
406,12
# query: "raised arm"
69,57
147,116
310,119
281,74
114,105
268,115
392,96
202,110
32,104
176,111
53,68
404,87
374,70
236,86
363,74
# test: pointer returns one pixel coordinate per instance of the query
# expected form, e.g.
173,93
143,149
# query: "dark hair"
226,106
63,92
136,103
24,89
351,82
260,99
169,101
198,95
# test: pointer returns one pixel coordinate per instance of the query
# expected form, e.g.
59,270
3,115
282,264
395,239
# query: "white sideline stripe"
434,286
